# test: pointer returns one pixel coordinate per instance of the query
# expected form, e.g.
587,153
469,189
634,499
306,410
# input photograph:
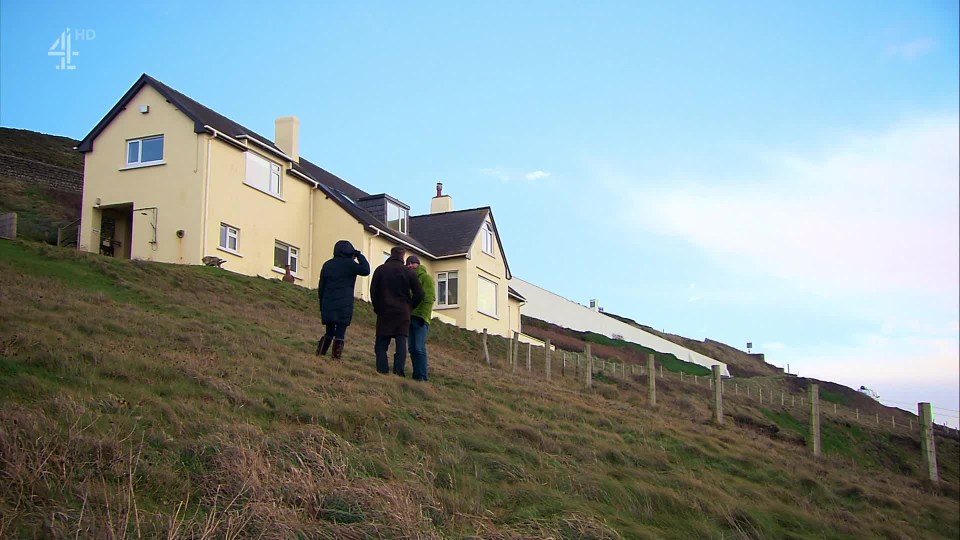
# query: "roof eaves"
86,145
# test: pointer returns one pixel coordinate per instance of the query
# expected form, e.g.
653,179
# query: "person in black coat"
394,291
338,277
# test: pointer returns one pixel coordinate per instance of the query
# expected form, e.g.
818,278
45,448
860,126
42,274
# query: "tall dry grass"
145,400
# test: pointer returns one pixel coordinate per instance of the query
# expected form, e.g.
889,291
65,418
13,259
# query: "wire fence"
784,393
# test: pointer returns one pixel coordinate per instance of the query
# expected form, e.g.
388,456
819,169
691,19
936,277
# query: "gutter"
226,138
266,147
404,242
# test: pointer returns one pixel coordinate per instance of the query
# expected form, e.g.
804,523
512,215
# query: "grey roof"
200,114
449,233
436,235
452,233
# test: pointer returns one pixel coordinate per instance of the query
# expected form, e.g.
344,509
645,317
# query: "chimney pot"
439,189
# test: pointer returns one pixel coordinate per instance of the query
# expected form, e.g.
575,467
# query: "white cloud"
882,362
496,172
869,228
879,213
536,175
506,175
911,49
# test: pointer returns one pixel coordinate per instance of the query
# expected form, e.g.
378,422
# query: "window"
486,296
396,217
284,255
447,288
263,174
145,151
229,237
487,238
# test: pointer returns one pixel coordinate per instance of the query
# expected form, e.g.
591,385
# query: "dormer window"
396,217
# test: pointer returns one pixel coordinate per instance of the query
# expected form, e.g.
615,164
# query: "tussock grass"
151,400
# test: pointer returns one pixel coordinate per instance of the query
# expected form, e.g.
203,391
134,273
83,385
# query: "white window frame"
402,221
293,257
272,184
139,162
487,238
444,277
496,299
228,232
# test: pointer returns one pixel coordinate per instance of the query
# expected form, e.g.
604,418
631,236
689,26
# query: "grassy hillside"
143,400
50,149
39,210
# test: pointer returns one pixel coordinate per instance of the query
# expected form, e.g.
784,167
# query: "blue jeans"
418,347
399,355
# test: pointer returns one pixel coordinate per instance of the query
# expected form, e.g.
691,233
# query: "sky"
779,173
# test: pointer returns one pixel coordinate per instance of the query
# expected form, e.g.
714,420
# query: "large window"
145,151
396,217
263,174
486,296
283,255
447,290
229,238
487,238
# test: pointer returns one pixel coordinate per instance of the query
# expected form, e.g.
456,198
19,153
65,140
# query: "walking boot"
323,345
338,348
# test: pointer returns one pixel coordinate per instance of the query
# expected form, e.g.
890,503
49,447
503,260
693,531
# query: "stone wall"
42,174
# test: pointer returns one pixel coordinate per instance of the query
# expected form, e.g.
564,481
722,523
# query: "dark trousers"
399,354
336,330
418,347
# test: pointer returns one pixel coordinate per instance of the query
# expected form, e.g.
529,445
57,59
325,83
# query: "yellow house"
168,179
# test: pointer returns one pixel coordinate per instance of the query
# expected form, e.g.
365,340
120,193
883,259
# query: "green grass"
141,399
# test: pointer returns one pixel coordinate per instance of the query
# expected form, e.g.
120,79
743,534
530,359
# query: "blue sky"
779,173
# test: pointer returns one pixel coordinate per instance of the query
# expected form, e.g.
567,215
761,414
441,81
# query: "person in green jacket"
420,320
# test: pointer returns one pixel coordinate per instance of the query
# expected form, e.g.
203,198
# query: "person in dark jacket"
394,291
338,277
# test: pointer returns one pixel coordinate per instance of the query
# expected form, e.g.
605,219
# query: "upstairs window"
145,151
396,217
487,238
263,174
447,288
283,255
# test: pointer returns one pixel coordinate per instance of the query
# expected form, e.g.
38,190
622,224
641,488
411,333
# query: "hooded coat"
394,291
338,277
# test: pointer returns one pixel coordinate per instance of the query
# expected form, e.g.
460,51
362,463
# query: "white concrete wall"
555,309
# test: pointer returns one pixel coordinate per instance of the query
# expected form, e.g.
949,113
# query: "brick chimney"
441,203
288,136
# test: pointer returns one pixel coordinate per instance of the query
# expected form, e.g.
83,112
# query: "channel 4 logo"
64,49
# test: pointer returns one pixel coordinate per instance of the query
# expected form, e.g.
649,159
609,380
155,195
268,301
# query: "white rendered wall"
555,309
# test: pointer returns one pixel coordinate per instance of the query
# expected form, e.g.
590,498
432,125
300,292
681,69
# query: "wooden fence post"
927,444
717,396
815,418
652,379
563,368
516,350
589,365
529,357
486,351
546,358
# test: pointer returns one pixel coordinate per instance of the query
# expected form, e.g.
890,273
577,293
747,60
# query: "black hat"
413,259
